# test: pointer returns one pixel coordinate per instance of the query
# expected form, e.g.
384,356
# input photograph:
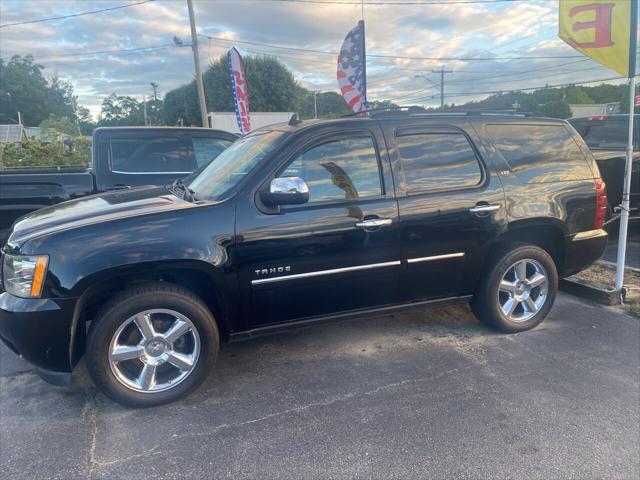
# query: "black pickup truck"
607,137
123,157
297,224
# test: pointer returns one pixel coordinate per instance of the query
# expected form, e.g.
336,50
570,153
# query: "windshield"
232,165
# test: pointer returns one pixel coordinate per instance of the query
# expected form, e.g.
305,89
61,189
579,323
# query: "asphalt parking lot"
421,394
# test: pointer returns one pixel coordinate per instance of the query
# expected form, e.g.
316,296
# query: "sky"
398,38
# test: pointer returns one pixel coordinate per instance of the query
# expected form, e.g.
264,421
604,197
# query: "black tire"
131,302
486,304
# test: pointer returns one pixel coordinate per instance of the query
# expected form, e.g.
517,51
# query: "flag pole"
626,189
364,68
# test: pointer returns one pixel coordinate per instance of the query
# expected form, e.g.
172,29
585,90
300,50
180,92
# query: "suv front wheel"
517,290
151,345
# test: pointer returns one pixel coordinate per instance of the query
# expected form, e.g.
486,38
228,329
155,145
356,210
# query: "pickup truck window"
540,153
232,165
157,155
339,169
438,161
207,148
604,134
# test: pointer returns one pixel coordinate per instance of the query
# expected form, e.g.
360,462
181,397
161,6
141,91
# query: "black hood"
100,208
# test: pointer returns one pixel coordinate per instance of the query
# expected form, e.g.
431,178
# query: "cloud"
460,30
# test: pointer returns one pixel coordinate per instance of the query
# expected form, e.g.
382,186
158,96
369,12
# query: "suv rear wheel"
151,345
517,290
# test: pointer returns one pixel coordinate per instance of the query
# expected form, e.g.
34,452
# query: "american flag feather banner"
240,90
352,69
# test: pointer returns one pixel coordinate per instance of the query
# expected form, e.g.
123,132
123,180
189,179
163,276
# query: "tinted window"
438,161
540,153
339,169
208,148
607,134
161,155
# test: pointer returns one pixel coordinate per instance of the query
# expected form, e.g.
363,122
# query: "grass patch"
635,310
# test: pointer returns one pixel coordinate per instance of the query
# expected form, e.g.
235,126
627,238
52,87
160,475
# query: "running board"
351,315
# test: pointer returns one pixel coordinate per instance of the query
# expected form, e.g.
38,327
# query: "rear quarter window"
540,153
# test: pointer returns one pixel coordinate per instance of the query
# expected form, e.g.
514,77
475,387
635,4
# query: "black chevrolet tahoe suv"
296,224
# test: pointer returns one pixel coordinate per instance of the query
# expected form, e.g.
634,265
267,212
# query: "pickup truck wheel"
517,290
151,345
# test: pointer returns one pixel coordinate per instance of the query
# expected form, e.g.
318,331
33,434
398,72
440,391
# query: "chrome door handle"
484,208
377,222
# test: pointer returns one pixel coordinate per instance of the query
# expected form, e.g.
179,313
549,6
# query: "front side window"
152,155
438,161
341,169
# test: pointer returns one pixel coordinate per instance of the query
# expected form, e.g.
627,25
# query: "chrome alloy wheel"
523,290
154,350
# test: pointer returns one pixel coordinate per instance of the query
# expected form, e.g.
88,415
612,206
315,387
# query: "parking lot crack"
151,451
90,416
324,403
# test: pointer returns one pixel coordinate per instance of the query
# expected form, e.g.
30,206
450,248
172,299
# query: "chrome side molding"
320,273
435,257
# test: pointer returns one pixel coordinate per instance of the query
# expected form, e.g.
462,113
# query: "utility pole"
196,58
144,103
442,71
315,104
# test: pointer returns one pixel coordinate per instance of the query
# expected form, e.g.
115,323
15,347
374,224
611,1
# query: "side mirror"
286,191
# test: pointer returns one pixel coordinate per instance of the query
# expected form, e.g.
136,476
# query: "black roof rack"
415,110
392,110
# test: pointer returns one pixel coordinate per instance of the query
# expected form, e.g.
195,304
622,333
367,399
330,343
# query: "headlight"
23,275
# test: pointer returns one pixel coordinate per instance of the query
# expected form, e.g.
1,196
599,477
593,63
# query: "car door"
451,207
335,253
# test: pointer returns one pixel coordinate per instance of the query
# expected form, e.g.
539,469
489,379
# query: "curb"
607,296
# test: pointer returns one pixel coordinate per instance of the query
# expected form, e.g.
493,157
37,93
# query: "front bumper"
39,330
583,249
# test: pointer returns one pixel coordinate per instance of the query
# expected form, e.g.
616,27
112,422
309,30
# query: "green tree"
61,124
272,88
86,120
556,109
576,94
23,89
60,99
121,110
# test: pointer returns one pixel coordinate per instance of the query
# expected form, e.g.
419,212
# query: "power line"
102,52
62,17
467,94
399,57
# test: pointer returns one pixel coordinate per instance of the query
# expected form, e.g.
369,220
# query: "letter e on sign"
600,29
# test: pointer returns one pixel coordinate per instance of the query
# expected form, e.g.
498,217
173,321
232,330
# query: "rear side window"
438,161
341,169
540,153
152,155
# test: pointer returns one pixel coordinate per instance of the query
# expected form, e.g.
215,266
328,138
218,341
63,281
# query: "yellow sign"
601,29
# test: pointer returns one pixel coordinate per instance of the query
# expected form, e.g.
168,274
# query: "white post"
196,59
144,103
315,104
626,189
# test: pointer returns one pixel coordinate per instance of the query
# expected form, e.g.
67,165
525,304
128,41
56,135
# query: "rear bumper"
39,330
583,249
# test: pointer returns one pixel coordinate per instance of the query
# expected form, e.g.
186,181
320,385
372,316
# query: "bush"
35,153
